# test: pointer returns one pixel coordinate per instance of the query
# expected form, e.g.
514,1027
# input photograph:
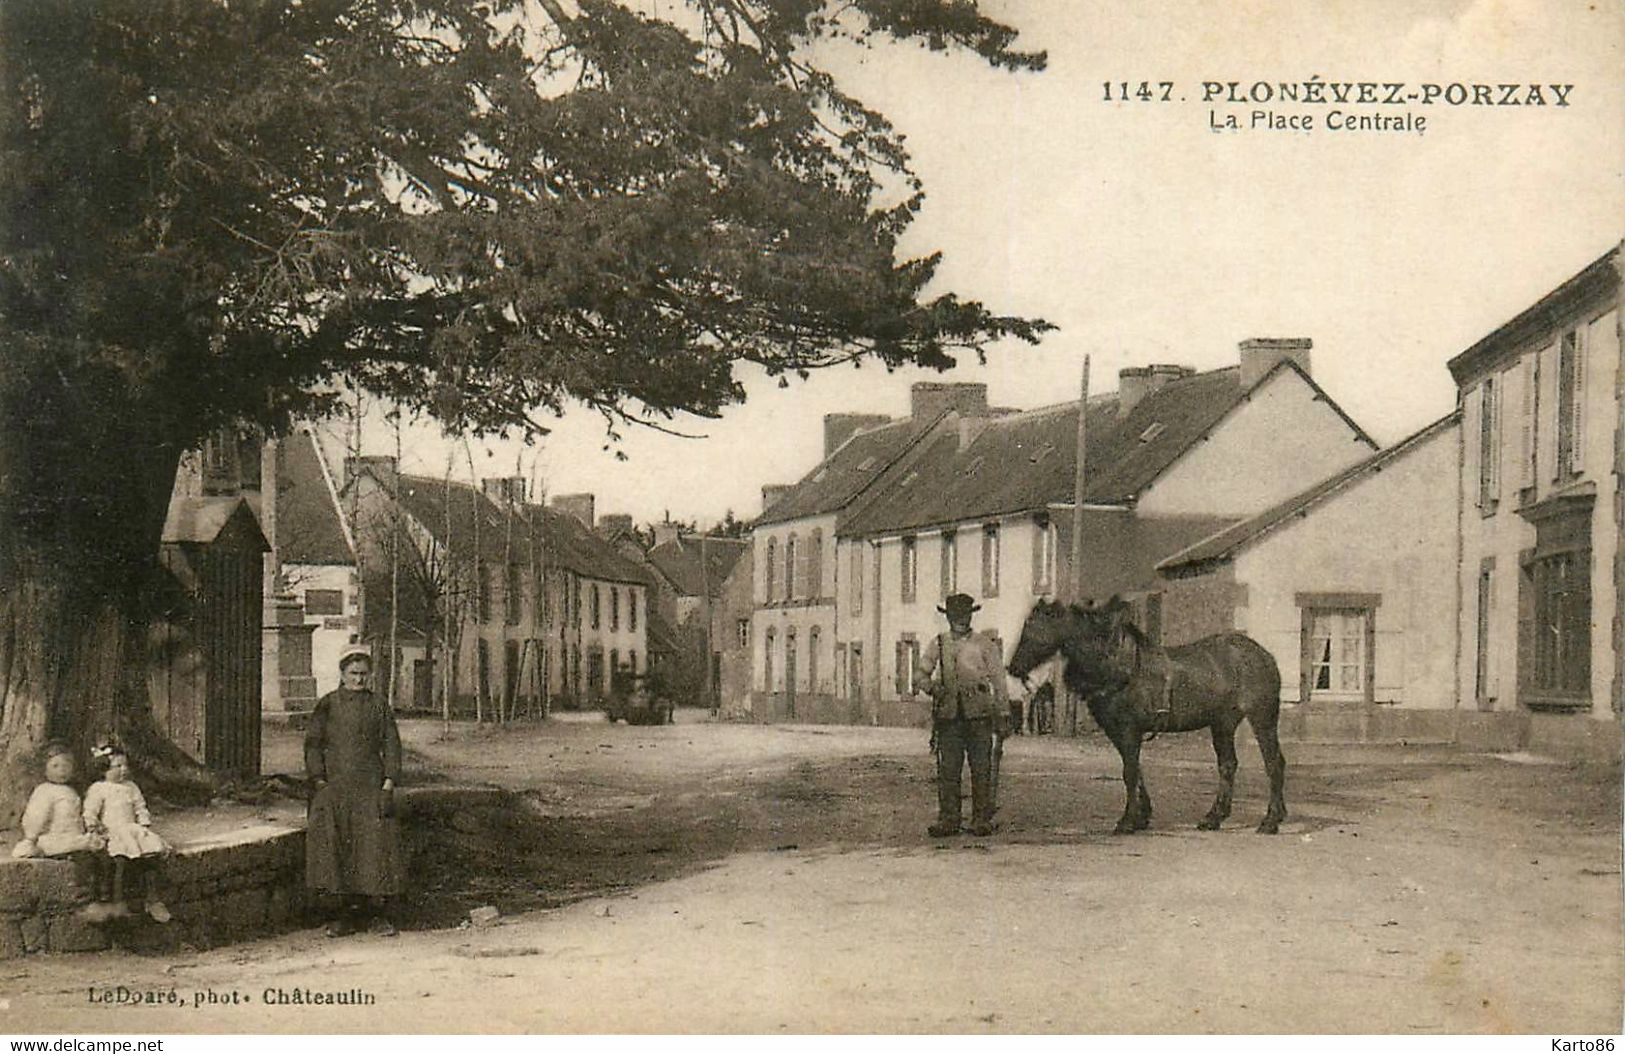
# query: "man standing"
965,675
352,841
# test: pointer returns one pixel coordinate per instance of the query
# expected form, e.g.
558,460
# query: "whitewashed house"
1542,513
1350,585
961,497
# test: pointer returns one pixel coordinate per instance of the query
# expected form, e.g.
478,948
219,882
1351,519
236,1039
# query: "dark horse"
1136,690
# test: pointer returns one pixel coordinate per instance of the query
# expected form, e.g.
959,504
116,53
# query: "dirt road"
742,879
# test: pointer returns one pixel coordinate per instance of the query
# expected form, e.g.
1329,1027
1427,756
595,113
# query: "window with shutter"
815,565
950,563
857,579
909,569
1528,441
1489,444
1043,555
990,560
1570,404
790,584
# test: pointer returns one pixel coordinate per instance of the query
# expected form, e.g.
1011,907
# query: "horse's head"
1045,632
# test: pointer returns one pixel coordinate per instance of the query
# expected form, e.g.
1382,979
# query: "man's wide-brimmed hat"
350,655
958,605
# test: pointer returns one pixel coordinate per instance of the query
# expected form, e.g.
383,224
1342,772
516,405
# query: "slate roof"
309,524
564,540
1600,278
1028,461
843,475
658,636
201,520
679,561
1225,544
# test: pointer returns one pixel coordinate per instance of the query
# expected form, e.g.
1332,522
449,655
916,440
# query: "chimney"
838,428
380,465
1260,354
578,505
772,492
930,398
666,532
970,428
1134,383
504,489
611,522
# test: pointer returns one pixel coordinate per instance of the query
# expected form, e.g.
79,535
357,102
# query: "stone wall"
221,890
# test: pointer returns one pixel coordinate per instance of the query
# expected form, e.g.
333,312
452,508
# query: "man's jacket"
965,676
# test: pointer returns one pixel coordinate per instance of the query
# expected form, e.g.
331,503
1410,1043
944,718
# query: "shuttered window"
1489,444
1571,404
815,565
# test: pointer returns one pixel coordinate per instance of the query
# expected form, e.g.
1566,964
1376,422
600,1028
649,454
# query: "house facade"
979,500
732,623
1350,585
688,572
1541,509
533,608
794,562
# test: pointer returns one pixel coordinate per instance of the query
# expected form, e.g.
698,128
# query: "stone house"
538,610
1542,512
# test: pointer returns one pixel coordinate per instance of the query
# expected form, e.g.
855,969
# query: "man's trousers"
959,739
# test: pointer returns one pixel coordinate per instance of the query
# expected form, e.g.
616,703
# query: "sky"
1147,236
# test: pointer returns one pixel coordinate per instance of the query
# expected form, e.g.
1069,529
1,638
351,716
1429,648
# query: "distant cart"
634,700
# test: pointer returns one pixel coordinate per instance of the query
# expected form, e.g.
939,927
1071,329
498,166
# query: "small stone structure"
244,883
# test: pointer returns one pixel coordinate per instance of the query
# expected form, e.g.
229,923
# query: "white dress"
120,810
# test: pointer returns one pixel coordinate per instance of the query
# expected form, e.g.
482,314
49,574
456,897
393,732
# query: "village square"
504,527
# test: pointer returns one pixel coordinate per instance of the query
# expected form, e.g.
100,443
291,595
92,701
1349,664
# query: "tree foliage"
216,211
474,209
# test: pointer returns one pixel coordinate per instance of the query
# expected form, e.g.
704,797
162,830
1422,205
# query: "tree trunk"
73,668
82,508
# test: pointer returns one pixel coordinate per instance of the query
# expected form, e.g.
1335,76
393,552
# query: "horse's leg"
1143,820
1224,747
1127,741
1269,745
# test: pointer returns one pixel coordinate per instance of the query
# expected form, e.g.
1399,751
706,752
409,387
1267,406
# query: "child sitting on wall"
53,821
116,809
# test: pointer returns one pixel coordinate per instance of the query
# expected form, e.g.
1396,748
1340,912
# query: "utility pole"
482,671
711,700
1074,591
354,449
449,610
395,566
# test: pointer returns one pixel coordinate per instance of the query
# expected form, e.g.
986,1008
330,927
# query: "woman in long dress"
352,839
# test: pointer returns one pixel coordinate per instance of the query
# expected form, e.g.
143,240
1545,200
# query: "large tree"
217,213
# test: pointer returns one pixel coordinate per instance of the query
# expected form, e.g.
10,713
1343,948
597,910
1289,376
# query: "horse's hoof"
1140,825
1270,827
1208,824
1123,827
